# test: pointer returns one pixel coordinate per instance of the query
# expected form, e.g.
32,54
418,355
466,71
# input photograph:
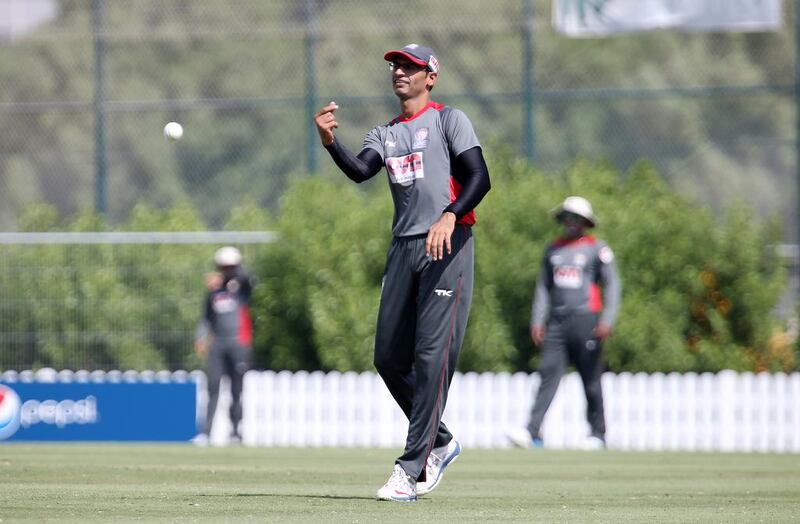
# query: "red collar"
431,104
586,239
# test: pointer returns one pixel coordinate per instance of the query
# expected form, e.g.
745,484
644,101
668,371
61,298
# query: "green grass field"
181,483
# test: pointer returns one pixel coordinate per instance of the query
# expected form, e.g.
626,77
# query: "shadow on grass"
290,495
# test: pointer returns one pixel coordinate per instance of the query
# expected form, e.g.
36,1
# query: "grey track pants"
232,359
569,340
421,324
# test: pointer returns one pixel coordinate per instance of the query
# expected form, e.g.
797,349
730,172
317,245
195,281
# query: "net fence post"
99,106
528,88
311,83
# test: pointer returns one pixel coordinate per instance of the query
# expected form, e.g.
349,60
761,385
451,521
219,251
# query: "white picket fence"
727,411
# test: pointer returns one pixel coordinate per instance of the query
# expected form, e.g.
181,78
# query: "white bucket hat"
578,205
227,256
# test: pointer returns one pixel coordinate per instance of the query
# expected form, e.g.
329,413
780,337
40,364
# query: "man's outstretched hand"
326,123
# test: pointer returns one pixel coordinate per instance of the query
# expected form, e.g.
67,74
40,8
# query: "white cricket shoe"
200,440
593,444
520,438
400,487
437,461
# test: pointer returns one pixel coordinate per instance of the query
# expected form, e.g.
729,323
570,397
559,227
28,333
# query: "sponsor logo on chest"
224,303
404,170
569,277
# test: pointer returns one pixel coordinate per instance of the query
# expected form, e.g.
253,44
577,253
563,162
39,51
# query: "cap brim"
559,210
392,54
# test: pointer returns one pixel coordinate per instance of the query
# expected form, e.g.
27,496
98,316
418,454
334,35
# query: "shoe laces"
399,479
434,460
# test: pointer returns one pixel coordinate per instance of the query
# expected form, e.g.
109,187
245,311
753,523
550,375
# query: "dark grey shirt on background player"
436,175
570,282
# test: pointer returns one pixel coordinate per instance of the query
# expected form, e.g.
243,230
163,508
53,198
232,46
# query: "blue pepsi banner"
75,411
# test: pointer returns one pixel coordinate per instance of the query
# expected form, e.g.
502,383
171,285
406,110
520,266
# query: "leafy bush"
698,290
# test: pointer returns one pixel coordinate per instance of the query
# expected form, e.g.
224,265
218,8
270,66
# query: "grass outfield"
181,483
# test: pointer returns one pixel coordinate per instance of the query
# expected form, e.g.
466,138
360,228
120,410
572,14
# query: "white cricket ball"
173,131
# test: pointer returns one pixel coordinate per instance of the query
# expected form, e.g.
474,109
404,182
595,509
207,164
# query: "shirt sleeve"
357,168
374,140
208,311
245,285
459,132
541,295
203,328
612,287
473,175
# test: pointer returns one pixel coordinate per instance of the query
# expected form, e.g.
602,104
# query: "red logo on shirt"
404,169
570,277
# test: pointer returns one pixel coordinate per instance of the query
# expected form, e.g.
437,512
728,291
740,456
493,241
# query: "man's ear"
430,80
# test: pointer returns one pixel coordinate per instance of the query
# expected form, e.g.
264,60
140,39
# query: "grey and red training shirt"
418,153
570,281
227,310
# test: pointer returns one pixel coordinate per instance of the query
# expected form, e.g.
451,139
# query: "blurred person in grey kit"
224,335
575,305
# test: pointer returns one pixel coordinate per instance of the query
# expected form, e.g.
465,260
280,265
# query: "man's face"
410,80
227,271
574,225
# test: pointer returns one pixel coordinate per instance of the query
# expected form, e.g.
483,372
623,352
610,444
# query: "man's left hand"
439,236
201,348
602,331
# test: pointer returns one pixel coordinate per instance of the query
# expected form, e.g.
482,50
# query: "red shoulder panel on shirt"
455,189
400,118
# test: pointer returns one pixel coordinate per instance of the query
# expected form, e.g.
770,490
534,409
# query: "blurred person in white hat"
224,335
575,304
